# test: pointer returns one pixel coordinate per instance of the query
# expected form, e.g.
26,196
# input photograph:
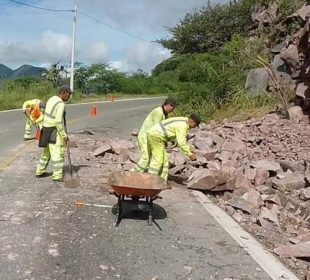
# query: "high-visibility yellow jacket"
171,129
35,109
54,115
154,117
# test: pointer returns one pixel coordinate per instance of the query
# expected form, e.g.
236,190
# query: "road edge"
272,266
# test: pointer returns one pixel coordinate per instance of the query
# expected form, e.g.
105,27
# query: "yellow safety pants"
143,163
55,152
159,163
30,123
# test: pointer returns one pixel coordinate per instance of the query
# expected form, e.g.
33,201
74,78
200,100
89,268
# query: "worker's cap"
42,105
172,101
196,118
65,88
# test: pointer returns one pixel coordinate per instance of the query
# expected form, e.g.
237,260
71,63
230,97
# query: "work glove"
193,157
66,140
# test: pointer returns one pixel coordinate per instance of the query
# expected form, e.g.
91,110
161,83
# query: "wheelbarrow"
140,189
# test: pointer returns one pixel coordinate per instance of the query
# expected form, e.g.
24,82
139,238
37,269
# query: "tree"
209,28
51,75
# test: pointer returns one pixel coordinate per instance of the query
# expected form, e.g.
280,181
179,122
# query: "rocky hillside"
288,42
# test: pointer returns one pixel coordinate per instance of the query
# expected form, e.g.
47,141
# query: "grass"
15,99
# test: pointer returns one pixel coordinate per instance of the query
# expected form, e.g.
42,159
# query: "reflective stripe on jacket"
154,117
175,128
54,115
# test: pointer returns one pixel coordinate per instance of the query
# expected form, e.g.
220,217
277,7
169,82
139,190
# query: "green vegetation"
211,57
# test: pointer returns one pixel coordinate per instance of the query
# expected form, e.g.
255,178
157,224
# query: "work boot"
45,174
59,180
27,139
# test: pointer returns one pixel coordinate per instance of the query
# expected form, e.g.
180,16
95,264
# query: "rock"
134,157
177,158
118,144
250,173
261,177
268,219
295,114
280,70
302,238
301,250
257,80
242,204
254,198
274,198
219,141
293,181
239,183
208,153
209,180
124,156
292,165
268,165
236,146
214,165
305,194
303,12
128,166
202,143
176,170
102,150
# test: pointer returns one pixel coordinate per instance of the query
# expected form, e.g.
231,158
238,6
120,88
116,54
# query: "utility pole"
73,48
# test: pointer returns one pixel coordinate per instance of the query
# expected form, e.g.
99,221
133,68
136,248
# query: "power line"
117,29
39,8
86,15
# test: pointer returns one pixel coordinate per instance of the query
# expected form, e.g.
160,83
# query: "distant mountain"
22,71
5,72
26,71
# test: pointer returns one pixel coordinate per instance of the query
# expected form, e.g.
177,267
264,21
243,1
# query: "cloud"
52,47
141,56
26,39
155,15
95,53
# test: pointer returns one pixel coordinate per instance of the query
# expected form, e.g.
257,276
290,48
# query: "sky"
39,37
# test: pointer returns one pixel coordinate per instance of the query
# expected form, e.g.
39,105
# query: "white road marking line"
93,102
273,266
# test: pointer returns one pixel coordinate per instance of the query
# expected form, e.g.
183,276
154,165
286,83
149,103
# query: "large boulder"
257,80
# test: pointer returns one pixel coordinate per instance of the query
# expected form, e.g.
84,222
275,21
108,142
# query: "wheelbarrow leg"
150,217
118,210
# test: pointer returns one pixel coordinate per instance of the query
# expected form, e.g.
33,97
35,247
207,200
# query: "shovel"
71,180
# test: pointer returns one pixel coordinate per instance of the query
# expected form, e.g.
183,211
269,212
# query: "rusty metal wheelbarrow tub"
136,188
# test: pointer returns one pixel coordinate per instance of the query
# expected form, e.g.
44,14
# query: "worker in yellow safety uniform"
171,129
34,110
54,136
158,114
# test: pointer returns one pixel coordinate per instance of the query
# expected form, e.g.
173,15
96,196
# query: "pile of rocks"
258,171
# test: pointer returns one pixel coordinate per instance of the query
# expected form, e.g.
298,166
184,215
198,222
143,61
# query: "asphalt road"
123,116
43,235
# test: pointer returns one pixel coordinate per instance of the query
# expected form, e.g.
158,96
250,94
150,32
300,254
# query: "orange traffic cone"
93,111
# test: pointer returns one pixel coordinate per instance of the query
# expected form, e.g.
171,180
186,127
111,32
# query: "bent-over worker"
158,114
54,137
33,109
171,129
